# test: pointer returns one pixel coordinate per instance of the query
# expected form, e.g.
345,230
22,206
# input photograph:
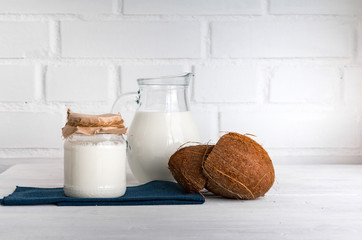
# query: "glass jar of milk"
94,157
162,123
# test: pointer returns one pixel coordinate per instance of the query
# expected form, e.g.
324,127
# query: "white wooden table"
306,202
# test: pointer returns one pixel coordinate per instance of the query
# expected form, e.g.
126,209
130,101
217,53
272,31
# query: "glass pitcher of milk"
162,123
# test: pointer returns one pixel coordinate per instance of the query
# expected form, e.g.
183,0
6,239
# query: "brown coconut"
238,167
186,167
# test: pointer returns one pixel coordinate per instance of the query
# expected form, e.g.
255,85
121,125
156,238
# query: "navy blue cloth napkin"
152,193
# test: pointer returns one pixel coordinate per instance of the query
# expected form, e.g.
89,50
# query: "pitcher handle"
126,103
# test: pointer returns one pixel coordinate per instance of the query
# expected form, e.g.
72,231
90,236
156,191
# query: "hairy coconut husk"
186,167
238,167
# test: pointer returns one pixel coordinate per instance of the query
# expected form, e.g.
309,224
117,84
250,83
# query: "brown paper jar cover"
93,124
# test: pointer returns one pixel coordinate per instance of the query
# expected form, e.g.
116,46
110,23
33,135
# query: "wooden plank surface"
306,202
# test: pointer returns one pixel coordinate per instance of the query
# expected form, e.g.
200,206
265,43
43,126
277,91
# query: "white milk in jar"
95,166
153,137
94,156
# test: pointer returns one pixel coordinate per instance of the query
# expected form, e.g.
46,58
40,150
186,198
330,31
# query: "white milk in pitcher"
153,137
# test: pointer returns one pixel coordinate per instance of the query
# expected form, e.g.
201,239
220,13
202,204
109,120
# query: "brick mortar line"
205,41
117,7
39,83
360,130
268,73
222,107
341,86
54,40
159,61
114,88
212,17
266,7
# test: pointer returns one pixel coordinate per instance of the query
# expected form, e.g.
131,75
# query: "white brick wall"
23,39
336,7
56,6
77,83
30,130
353,86
206,118
215,84
281,38
17,83
305,85
288,71
288,129
191,7
131,39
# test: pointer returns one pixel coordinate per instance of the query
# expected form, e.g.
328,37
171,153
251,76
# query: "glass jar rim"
176,80
100,137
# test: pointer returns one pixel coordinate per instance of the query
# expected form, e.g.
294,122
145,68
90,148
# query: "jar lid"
93,124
